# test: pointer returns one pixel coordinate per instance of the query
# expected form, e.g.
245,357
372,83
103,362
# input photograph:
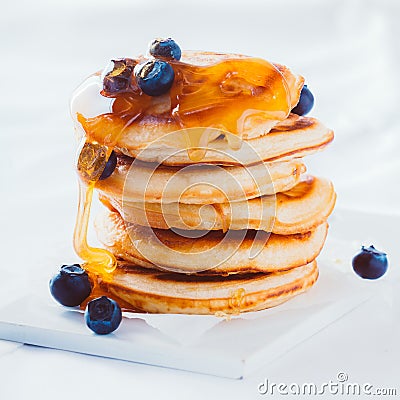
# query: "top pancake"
156,120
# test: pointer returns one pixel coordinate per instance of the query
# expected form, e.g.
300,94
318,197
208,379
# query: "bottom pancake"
155,291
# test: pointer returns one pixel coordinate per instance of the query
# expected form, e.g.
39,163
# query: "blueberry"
370,263
155,77
119,78
165,48
71,286
305,103
110,166
103,315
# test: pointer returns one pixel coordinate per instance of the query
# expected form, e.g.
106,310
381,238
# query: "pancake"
296,136
155,121
214,251
200,183
299,210
165,292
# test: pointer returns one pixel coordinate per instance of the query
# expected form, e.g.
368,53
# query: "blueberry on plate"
103,315
154,77
165,48
71,286
370,263
305,103
119,78
110,166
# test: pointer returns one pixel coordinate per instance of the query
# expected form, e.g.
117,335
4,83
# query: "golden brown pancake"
299,210
214,251
296,136
153,291
200,183
156,120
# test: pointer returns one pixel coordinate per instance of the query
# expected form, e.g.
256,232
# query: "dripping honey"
96,260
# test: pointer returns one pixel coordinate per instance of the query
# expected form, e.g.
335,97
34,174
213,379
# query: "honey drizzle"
220,95
97,260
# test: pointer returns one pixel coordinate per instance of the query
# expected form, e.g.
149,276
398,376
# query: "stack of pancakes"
235,229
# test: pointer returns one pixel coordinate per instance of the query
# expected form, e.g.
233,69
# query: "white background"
347,50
